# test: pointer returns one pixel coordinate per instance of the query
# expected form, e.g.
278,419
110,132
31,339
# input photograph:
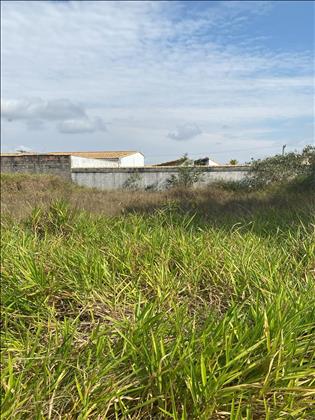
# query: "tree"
233,162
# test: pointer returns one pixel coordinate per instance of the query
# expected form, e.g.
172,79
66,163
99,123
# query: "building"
62,163
205,162
105,159
198,162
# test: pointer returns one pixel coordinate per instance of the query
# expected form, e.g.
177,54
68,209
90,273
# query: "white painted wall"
107,179
80,162
131,161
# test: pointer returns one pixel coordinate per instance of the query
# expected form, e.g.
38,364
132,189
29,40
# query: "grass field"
183,305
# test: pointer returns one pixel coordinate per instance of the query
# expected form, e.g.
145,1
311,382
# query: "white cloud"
37,108
185,132
81,126
70,117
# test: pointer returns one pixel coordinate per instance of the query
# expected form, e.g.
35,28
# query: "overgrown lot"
183,304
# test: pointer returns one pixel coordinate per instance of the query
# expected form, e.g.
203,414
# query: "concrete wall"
80,162
135,160
41,163
149,177
109,178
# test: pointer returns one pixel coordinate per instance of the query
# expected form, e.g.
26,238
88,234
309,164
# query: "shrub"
187,175
132,183
152,187
233,162
292,167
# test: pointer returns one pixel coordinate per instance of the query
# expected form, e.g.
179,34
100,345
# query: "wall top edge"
238,168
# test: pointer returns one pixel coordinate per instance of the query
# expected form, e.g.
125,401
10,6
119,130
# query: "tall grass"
173,313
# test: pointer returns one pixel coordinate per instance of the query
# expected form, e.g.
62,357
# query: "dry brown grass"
20,193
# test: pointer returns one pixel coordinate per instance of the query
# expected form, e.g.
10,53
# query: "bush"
294,167
132,183
187,175
233,162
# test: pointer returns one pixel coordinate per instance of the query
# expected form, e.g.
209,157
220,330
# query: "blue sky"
223,79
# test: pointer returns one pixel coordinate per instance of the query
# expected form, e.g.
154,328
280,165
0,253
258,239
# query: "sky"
224,79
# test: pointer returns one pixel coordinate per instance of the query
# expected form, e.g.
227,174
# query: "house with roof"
105,159
62,163
184,160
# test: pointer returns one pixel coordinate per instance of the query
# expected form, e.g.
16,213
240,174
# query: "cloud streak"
35,112
36,108
81,126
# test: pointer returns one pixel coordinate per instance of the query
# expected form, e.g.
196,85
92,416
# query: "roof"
176,162
197,162
99,155
91,155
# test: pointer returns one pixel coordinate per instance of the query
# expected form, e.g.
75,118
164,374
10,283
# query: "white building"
109,159
184,160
